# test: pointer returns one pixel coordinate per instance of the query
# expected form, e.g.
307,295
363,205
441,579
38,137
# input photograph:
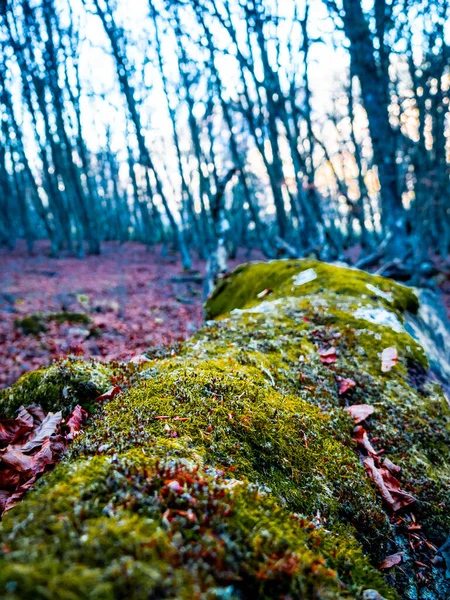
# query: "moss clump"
246,418
158,522
37,323
242,287
32,324
59,387
69,317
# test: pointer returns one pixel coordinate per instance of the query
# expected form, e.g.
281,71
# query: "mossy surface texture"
229,470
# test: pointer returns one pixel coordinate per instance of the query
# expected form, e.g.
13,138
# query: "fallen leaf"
391,467
389,358
264,293
76,421
362,439
110,394
391,561
359,412
45,430
345,384
388,486
328,356
34,444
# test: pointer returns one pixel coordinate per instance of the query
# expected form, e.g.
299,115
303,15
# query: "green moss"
250,412
158,522
37,323
241,288
31,325
59,387
69,317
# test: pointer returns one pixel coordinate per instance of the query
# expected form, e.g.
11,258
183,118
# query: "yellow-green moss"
248,407
158,522
241,288
59,387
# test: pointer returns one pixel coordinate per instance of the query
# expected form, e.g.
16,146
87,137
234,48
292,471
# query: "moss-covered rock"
60,387
230,470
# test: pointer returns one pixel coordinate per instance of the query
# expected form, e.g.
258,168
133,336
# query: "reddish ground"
128,292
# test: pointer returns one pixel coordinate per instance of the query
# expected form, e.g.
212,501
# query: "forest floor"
135,299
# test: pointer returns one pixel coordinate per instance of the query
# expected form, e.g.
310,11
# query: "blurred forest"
296,127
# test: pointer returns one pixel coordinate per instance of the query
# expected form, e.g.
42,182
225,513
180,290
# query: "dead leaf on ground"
328,355
345,384
359,412
362,439
32,443
391,561
394,469
110,394
388,486
389,358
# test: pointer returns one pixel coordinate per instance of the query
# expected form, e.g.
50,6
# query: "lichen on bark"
229,470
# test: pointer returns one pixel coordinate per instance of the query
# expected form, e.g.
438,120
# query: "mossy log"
229,470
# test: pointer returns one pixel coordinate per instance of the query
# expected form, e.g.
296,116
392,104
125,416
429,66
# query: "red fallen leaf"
264,293
37,412
328,356
360,436
14,498
46,429
16,459
359,412
388,486
13,429
110,394
9,479
345,384
394,469
391,561
389,358
76,421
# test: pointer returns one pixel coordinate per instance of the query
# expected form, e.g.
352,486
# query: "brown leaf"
9,479
16,459
389,358
12,430
362,439
391,561
394,469
110,394
345,384
19,493
359,412
46,429
328,355
76,421
388,486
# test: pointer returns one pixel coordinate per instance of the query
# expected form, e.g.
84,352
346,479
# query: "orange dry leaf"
360,436
359,412
391,561
388,486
